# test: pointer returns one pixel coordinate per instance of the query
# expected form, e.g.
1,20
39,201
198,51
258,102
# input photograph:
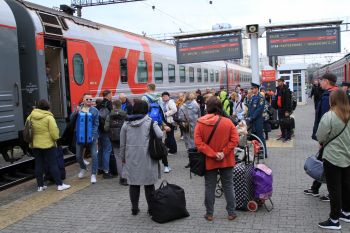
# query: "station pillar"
254,58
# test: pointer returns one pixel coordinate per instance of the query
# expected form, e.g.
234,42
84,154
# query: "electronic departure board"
209,49
308,41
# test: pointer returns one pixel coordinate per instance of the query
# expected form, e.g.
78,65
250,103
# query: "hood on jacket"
153,96
137,119
38,114
208,119
190,104
223,95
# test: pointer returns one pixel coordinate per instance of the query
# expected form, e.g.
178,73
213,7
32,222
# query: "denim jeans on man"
104,151
210,178
93,152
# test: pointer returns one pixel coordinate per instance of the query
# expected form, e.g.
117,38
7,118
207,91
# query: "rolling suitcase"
243,183
84,128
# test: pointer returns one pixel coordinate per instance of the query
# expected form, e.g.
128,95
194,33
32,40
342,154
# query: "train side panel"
11,120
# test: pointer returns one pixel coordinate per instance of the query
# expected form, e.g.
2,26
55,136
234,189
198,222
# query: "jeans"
93,151
120,165
134,192
170,141
49,155
104,151
338,184
210,178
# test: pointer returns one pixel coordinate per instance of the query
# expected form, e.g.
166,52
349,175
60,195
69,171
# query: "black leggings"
134,192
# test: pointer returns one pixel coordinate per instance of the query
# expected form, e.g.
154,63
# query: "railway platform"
105,206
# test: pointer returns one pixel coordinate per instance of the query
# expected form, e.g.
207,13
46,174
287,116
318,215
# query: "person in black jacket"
316,92
200,101
126,105
283,104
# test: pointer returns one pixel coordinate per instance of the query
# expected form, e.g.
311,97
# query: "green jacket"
337,152
225,102
45,130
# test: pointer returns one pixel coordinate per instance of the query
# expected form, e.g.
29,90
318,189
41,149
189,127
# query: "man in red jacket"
219,155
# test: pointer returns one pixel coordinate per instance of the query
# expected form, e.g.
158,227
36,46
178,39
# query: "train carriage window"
191,74
182,71
199,75
206,75
158,72
171,73
216,76
142,74
78,68
211,76
124,70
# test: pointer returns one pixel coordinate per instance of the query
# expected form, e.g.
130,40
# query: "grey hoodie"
189,111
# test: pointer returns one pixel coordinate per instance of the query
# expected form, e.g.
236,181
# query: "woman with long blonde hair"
334,131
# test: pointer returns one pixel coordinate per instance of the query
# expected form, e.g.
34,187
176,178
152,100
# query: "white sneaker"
40,189
86,162
93,179
167,169
63,187
81,173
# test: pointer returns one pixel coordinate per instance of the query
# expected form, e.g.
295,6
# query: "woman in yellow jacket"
45,134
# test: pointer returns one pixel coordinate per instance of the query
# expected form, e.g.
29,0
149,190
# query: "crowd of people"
120,132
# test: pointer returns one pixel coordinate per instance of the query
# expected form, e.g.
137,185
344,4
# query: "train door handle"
17,89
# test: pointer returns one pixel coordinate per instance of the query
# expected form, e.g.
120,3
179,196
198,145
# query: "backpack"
28,131
155,112
103,113
157,149
116,122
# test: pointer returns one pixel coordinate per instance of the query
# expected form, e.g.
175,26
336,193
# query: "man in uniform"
255,114
345,86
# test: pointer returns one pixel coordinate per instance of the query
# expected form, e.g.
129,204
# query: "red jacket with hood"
225,139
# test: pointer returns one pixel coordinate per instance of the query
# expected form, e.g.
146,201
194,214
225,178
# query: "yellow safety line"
278,143
24,207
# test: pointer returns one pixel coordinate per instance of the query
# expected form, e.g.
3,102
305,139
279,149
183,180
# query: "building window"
199,75
211,76
216,76
191,74
206,75
158,72
142,74
78,68
182,72
171,73
124,70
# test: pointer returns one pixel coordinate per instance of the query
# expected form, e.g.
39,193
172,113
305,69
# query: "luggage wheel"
252,206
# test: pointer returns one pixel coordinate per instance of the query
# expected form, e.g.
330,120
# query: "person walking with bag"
139,167
334,132
219,155
45,134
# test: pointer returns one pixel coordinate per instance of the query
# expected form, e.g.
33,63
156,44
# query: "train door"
55,78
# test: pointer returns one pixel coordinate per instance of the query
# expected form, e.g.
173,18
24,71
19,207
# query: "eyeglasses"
88,99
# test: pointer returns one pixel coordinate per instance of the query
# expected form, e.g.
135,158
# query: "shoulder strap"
149,99
214,129
184,114
336,135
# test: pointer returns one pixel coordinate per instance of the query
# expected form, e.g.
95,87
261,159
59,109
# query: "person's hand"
167,128
219,156
77,109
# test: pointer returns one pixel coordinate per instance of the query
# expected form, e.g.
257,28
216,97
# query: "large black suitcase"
243,183
168,203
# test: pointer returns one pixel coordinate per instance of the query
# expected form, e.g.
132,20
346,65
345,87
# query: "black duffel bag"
168,203
197,159
157,149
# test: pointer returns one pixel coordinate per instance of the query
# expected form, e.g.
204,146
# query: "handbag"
156,148
314,165
197,159
168,203
184,125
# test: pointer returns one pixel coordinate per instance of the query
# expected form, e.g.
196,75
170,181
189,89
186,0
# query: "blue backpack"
155,112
